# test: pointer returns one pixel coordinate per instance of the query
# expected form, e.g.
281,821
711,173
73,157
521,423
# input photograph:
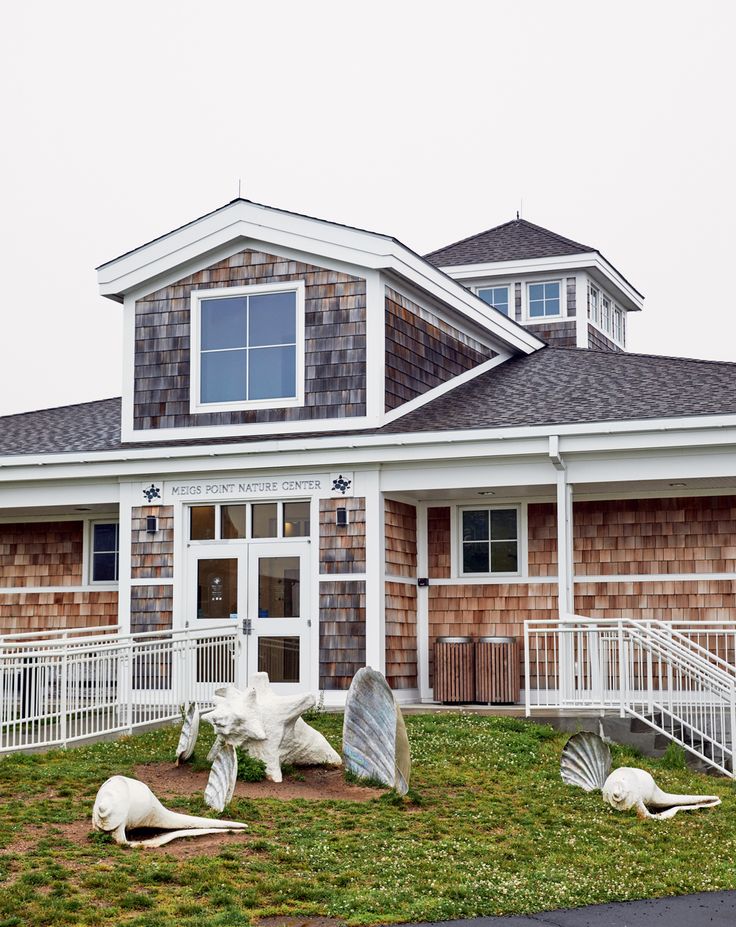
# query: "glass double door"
264,588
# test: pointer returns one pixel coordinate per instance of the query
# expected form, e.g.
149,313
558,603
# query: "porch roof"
554,386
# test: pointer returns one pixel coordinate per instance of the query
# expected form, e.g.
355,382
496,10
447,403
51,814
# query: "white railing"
70,687
677,678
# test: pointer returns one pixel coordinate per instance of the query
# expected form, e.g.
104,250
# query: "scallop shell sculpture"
585,761
375,744
223,775
189,734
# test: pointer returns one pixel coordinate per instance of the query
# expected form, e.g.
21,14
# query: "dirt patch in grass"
312,784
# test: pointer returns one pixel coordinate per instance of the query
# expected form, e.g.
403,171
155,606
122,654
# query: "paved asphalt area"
712,909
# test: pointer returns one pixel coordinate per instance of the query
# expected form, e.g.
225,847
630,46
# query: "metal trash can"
497,676
454,670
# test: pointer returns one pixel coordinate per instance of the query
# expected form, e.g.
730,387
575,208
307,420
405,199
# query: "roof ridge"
519,219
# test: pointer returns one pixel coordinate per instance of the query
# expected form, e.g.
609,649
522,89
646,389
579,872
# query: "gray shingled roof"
88,426
557,386
553,386
517,240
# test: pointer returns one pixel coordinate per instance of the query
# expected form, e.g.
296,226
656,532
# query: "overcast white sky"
612,121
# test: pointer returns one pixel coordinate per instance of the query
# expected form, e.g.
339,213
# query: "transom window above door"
496,296
249,520
247,347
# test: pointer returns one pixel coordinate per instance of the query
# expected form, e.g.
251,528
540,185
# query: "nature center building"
349,450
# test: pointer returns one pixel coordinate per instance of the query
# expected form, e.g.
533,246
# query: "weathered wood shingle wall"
598,341
423,351
43,611
41,554
342,548
334,332
152,555
151,608
400,521
558,334
341,632
342,600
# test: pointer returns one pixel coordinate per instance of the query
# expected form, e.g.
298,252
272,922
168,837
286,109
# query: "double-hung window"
489,541
544,300
496,296
105,552
248,346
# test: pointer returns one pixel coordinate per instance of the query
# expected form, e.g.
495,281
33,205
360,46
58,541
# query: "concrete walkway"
709,909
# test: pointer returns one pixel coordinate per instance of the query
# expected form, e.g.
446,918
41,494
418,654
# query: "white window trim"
510,293
248,503
562,314
89,548
521,544
197,407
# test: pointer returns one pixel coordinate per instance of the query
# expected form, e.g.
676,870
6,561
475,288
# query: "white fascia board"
592,261
706,434
146,268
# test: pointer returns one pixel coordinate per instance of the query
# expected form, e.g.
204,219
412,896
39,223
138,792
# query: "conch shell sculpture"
189,733
124,804
586,762
268,726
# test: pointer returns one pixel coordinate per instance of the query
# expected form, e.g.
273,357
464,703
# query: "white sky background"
613,121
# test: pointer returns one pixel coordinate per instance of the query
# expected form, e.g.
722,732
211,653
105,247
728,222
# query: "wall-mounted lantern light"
151,524
341,517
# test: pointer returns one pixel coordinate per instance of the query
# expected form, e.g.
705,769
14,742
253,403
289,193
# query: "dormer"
254,321
565,292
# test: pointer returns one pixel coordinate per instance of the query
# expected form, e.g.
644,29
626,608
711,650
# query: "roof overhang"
591,261
242,221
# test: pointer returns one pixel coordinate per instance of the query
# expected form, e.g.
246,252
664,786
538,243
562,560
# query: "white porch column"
425,692
375,570
127,499
566,599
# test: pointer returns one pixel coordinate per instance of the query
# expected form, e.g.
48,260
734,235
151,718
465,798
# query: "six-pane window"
496,296
544,299
490,541
104,553
248,347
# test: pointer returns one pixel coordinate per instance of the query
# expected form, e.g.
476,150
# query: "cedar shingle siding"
599,342
41,554
151,608
342,549
341,632
43,611
559,334
401,598
334,344
152,555
422,351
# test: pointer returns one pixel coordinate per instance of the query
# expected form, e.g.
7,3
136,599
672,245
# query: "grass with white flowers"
488,828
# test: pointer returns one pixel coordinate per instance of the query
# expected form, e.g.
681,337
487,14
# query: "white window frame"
90,546
562,300
510,296
520,539
195,404
248,503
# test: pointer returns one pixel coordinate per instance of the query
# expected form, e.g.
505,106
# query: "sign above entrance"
275,486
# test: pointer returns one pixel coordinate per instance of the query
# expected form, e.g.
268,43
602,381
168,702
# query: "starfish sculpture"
269,727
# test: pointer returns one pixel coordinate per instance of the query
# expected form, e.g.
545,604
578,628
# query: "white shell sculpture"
223,775
124,804
269,727
189,734
375,744
586,762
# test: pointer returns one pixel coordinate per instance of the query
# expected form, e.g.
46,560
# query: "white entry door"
278,623
263,588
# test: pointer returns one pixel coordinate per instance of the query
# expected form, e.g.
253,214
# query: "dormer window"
496,296
544,300
248,347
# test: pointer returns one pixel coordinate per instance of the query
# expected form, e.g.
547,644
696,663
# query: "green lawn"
489,829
